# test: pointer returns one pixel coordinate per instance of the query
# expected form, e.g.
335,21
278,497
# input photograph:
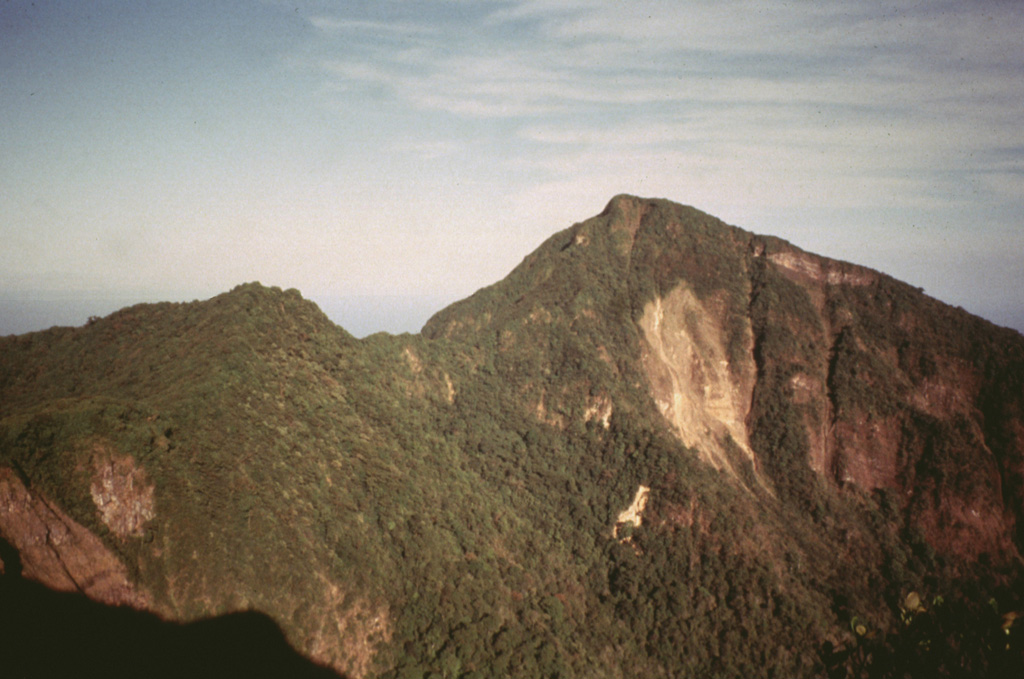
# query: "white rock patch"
634,514
122,495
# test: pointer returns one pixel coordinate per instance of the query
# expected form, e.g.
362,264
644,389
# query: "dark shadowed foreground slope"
62,634
663,446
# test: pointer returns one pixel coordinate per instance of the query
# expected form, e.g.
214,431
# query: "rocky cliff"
759,355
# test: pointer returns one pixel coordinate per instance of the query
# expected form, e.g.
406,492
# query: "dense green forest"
446,504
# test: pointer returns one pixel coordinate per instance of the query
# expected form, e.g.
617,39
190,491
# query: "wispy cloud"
427,149
540,56
751,105
350,26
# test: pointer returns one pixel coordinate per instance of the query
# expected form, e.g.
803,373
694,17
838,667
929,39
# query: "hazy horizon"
360,315
363,150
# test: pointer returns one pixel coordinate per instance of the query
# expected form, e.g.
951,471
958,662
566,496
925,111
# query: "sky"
388,158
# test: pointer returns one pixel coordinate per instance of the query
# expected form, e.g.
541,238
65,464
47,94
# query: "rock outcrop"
58,552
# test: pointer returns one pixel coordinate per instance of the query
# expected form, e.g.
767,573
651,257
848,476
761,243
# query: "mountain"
662,446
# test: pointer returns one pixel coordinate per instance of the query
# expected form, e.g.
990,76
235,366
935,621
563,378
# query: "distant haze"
417,151
360,315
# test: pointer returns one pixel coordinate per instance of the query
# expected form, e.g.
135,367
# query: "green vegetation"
462,485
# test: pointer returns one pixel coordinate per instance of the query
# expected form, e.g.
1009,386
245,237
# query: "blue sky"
387,158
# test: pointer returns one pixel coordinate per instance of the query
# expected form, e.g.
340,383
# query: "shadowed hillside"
50,634
662,446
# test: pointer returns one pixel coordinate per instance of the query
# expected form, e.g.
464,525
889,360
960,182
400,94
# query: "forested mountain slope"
662,446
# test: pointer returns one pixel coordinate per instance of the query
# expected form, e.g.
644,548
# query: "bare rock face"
704,398
879,387
742,342
58,552
122,494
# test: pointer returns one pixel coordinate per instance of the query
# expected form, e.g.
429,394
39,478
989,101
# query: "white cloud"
333,24
427,149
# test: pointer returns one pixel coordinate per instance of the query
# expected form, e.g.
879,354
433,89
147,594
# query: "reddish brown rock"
58,552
